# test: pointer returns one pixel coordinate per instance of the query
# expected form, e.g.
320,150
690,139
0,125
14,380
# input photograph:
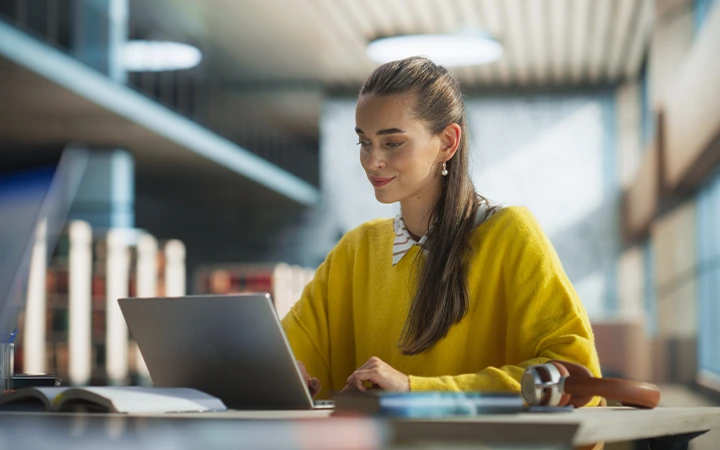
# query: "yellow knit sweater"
523,311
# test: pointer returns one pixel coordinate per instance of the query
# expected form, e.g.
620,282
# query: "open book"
127,399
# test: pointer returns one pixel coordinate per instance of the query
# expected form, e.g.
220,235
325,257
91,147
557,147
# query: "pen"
11,338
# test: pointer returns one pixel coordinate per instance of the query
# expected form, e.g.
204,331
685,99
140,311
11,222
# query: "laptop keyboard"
324,403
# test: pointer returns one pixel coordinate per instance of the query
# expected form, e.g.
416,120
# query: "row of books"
284,282
71,326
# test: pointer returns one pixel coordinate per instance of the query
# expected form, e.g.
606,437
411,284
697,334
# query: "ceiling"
272,62
547,42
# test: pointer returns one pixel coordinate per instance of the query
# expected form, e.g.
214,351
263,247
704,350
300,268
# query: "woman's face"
401,158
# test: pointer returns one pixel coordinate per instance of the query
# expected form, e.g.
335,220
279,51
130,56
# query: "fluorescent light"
467,48
158,56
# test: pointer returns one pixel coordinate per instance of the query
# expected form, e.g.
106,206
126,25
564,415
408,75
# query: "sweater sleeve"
545,317
306,327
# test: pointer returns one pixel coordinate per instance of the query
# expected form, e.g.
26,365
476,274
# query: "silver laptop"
229,346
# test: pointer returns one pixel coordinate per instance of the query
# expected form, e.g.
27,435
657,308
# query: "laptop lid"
231,346
32,190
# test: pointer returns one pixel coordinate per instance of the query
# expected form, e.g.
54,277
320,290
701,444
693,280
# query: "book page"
136,399
30,399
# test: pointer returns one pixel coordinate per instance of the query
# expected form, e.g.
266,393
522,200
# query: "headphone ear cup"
564,398
545,377
574,370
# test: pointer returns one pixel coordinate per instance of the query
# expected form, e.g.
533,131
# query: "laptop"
230,346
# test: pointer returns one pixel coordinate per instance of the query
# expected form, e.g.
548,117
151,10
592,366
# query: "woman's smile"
380,181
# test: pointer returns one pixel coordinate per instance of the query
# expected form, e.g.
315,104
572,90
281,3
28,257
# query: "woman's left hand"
380,374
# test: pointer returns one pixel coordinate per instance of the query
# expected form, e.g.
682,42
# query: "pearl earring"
444,171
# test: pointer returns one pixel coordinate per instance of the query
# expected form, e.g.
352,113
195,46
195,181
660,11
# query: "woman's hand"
380,374
313,384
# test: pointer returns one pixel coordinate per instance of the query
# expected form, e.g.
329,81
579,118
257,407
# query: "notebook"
127,399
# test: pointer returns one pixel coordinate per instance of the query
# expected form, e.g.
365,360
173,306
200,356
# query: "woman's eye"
394,144
363,143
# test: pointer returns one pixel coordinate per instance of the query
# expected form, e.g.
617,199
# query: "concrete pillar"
628,126
100,32
671,40
106,196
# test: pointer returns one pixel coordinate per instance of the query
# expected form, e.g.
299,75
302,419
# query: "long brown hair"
441,299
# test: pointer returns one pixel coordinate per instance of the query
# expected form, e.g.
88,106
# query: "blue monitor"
29,193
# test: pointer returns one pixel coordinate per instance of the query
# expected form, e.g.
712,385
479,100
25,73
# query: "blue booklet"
429,404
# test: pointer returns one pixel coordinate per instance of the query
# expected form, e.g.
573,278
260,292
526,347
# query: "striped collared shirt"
404,242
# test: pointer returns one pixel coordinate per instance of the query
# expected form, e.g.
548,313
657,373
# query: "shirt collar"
404,242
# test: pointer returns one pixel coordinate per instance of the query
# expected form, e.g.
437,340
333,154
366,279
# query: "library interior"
212,226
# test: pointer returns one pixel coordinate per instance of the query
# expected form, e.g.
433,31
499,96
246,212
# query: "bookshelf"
72,323
284,282
72,326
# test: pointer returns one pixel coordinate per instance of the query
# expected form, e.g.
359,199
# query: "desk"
579,428
301,429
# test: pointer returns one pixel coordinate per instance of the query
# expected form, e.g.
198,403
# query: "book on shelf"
112,399
284,282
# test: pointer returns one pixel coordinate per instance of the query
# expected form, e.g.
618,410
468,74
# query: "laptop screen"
29,194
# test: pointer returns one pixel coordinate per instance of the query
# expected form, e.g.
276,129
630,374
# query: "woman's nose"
374,159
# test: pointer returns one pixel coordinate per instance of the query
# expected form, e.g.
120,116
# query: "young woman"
454,293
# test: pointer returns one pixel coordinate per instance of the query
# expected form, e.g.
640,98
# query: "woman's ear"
450,139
